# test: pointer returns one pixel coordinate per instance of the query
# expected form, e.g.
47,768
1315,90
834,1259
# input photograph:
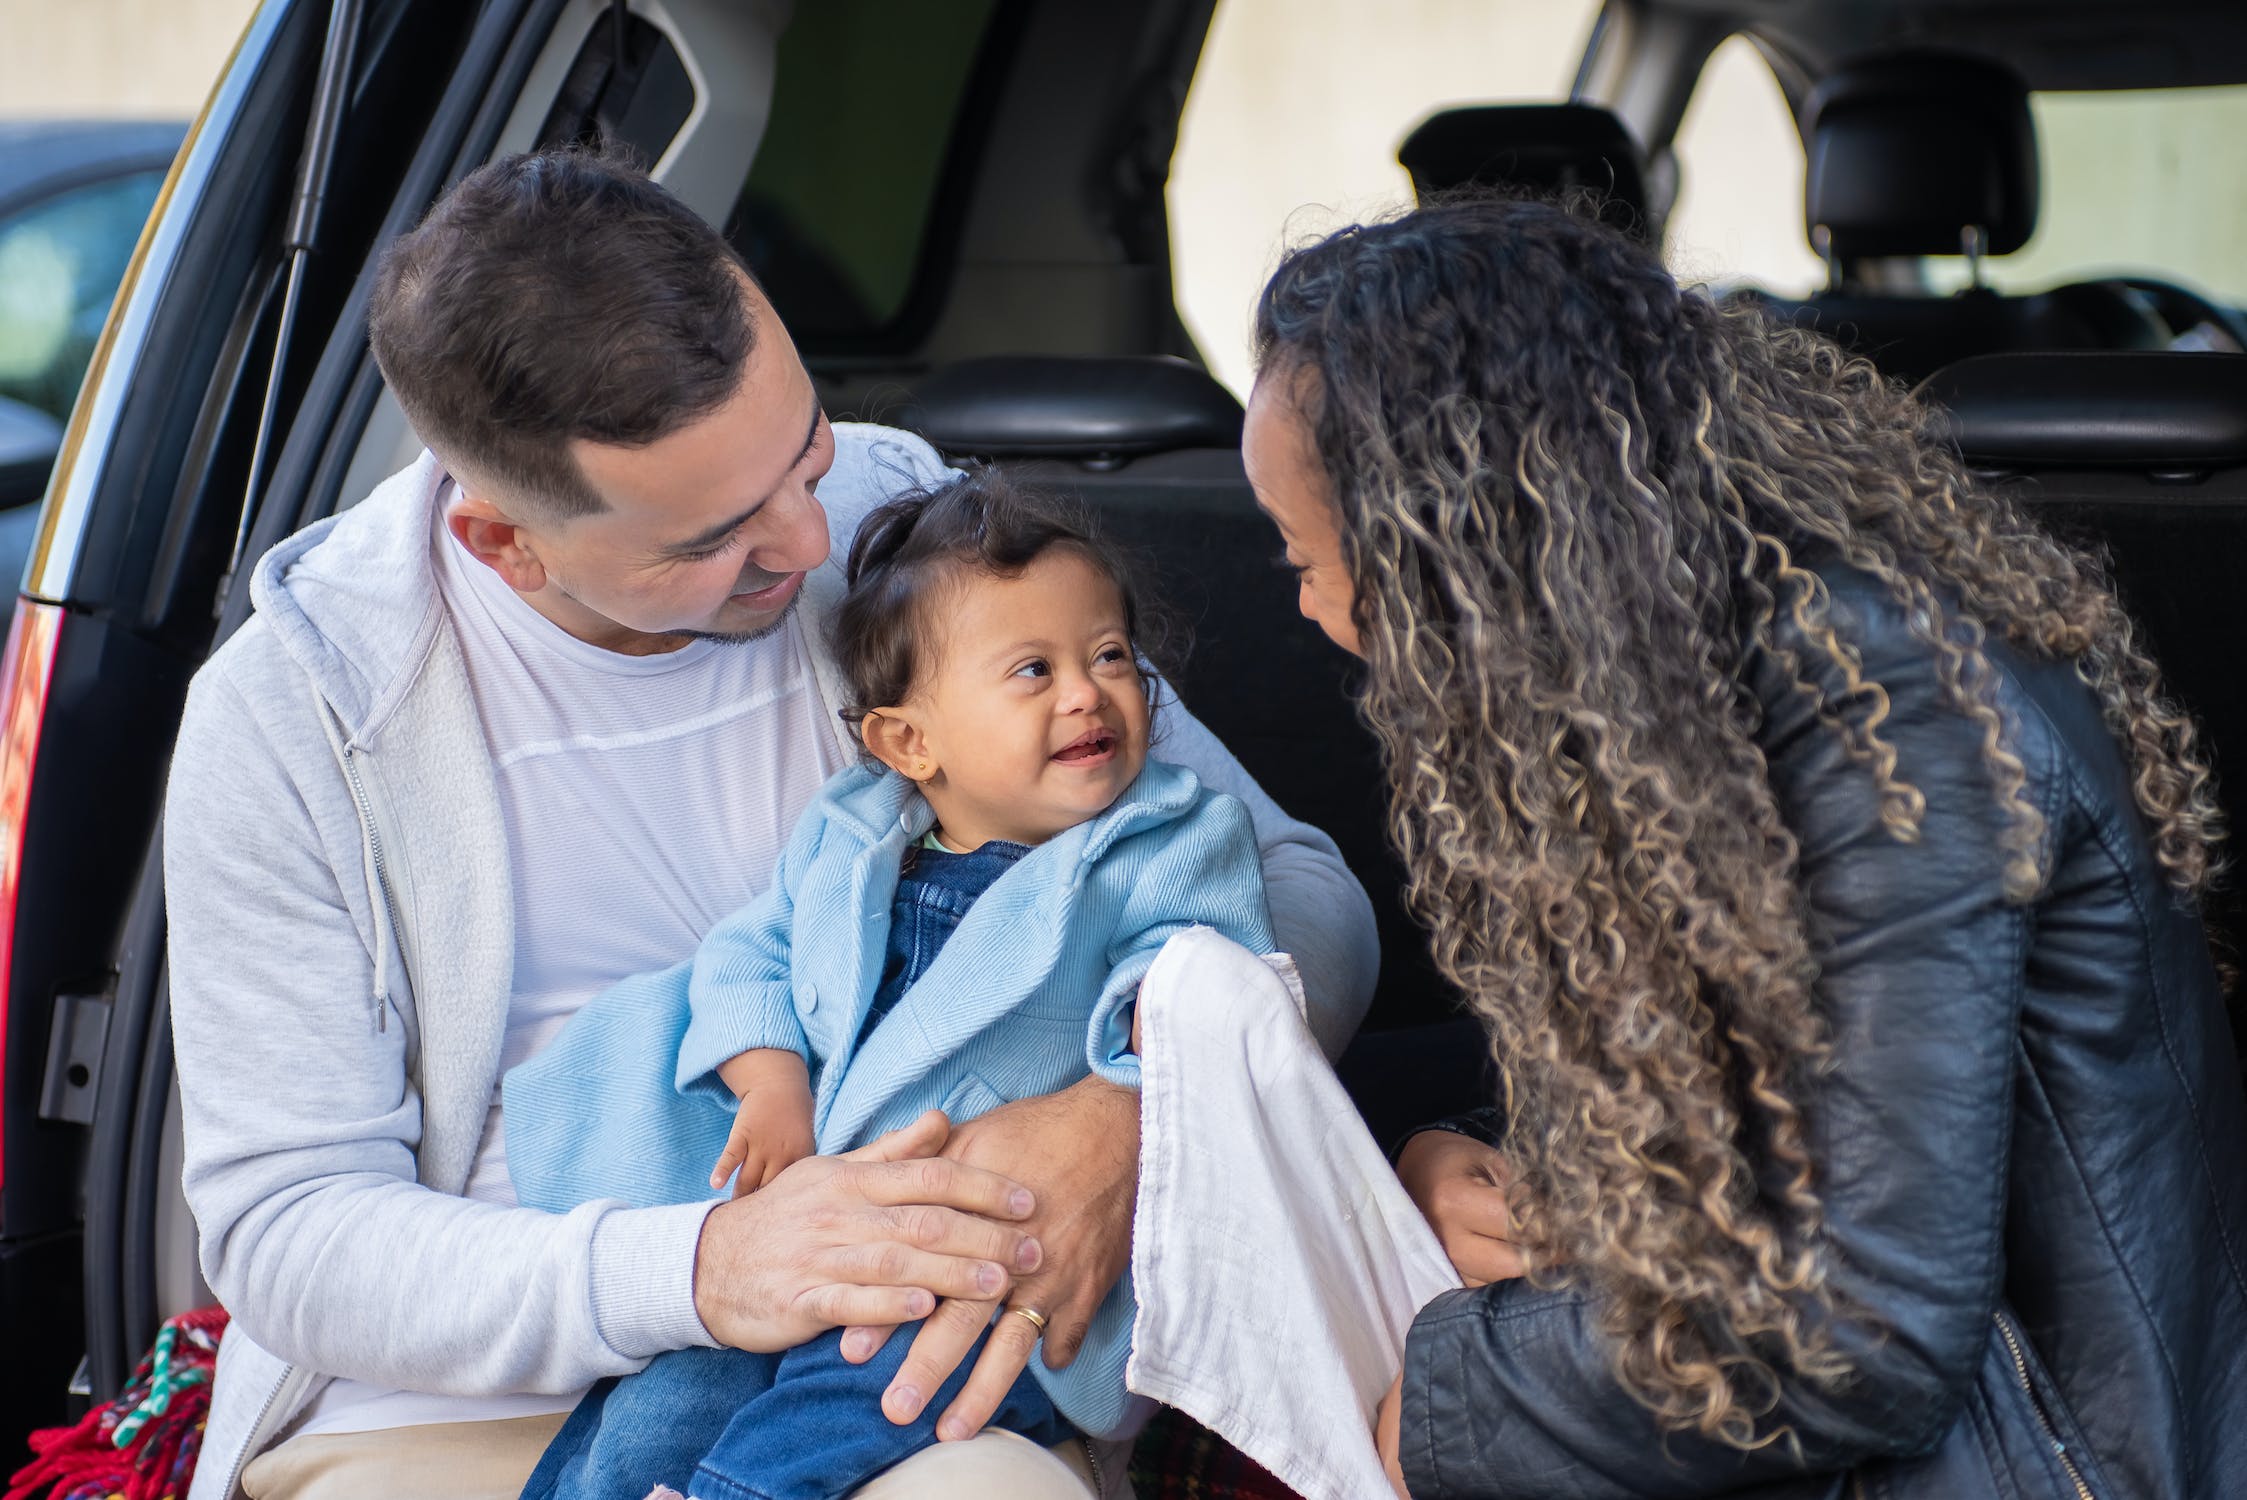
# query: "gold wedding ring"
1037,1319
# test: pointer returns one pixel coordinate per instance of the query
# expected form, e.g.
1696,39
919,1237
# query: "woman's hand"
1388,1426
1459,1185
1078,1150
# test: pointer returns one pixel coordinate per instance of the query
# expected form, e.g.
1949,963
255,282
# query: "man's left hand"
1078,1151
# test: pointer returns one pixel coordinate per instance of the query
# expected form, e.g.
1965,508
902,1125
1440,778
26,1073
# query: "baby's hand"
772,1128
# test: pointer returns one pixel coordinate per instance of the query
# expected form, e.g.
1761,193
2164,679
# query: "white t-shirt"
645,797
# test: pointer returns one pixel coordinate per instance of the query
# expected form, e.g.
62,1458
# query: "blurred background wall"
1295,115
129,59
1292,126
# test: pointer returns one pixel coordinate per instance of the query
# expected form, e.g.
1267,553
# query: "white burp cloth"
1276,1258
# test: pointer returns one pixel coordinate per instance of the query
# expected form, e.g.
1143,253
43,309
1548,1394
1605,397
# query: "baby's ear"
898,743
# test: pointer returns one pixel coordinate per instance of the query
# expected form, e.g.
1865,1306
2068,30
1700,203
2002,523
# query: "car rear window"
2135,181
1292,126
1740,165
867,98
60,261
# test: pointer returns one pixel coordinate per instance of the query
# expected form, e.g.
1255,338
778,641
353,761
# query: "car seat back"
2144,458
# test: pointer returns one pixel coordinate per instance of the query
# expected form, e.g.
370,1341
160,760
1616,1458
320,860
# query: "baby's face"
1034,716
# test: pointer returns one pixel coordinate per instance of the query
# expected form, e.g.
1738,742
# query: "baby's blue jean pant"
723,1424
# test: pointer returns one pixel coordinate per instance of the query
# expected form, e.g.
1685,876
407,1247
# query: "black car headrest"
1540,148
1065,406
2109,410
1907,151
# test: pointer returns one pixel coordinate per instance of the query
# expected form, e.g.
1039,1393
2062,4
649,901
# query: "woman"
1811,834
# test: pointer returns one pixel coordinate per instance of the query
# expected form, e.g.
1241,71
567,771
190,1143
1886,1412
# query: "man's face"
706,532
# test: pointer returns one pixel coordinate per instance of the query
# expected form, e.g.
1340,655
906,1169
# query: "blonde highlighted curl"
1573,498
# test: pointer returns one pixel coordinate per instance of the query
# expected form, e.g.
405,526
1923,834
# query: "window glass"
1294,119
1738,214
867,95
60,262
2144,181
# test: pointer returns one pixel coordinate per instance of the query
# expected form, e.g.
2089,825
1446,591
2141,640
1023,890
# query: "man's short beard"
742,637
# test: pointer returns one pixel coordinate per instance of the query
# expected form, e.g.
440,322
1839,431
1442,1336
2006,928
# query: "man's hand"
772,1127
1079,1150
1460,1187
874,1237
1388,1426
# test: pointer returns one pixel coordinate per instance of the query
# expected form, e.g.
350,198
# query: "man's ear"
497,541
897,742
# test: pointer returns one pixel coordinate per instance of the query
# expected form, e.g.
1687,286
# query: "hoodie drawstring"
370,856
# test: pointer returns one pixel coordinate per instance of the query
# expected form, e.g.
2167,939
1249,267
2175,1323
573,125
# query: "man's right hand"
873,1237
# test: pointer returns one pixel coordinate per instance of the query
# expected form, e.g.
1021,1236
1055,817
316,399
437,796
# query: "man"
527,720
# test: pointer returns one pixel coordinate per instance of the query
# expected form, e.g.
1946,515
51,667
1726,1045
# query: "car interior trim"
79,465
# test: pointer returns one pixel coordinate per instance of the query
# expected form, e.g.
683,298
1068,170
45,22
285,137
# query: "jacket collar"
1033,903
879,807
353,599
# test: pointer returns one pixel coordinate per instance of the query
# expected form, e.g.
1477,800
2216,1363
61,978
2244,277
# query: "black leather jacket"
2033,1147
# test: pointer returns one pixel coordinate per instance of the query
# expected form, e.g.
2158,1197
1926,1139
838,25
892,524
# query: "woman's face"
1291,488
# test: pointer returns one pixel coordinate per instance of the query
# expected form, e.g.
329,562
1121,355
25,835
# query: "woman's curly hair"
1572,497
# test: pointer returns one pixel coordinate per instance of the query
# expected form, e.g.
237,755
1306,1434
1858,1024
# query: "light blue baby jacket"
1032,992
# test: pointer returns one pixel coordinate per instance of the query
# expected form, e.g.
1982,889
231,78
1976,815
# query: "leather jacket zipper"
2036,1404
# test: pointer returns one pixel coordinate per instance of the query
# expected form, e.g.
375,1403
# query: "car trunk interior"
1036,227
1014,210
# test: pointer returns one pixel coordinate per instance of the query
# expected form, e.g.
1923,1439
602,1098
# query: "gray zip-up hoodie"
342,954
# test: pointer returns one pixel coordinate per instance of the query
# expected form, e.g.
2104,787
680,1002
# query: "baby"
960,922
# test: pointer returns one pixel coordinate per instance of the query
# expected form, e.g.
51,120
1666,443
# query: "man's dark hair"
909,552
556,295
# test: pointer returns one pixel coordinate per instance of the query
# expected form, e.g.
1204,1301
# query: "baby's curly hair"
1573,499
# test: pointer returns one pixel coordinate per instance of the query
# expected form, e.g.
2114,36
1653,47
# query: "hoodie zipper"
374,833
260,1430
2036,1403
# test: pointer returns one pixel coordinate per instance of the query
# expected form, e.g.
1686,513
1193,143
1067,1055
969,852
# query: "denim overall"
803,1424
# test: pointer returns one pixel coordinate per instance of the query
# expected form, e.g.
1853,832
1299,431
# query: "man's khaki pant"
491,1461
